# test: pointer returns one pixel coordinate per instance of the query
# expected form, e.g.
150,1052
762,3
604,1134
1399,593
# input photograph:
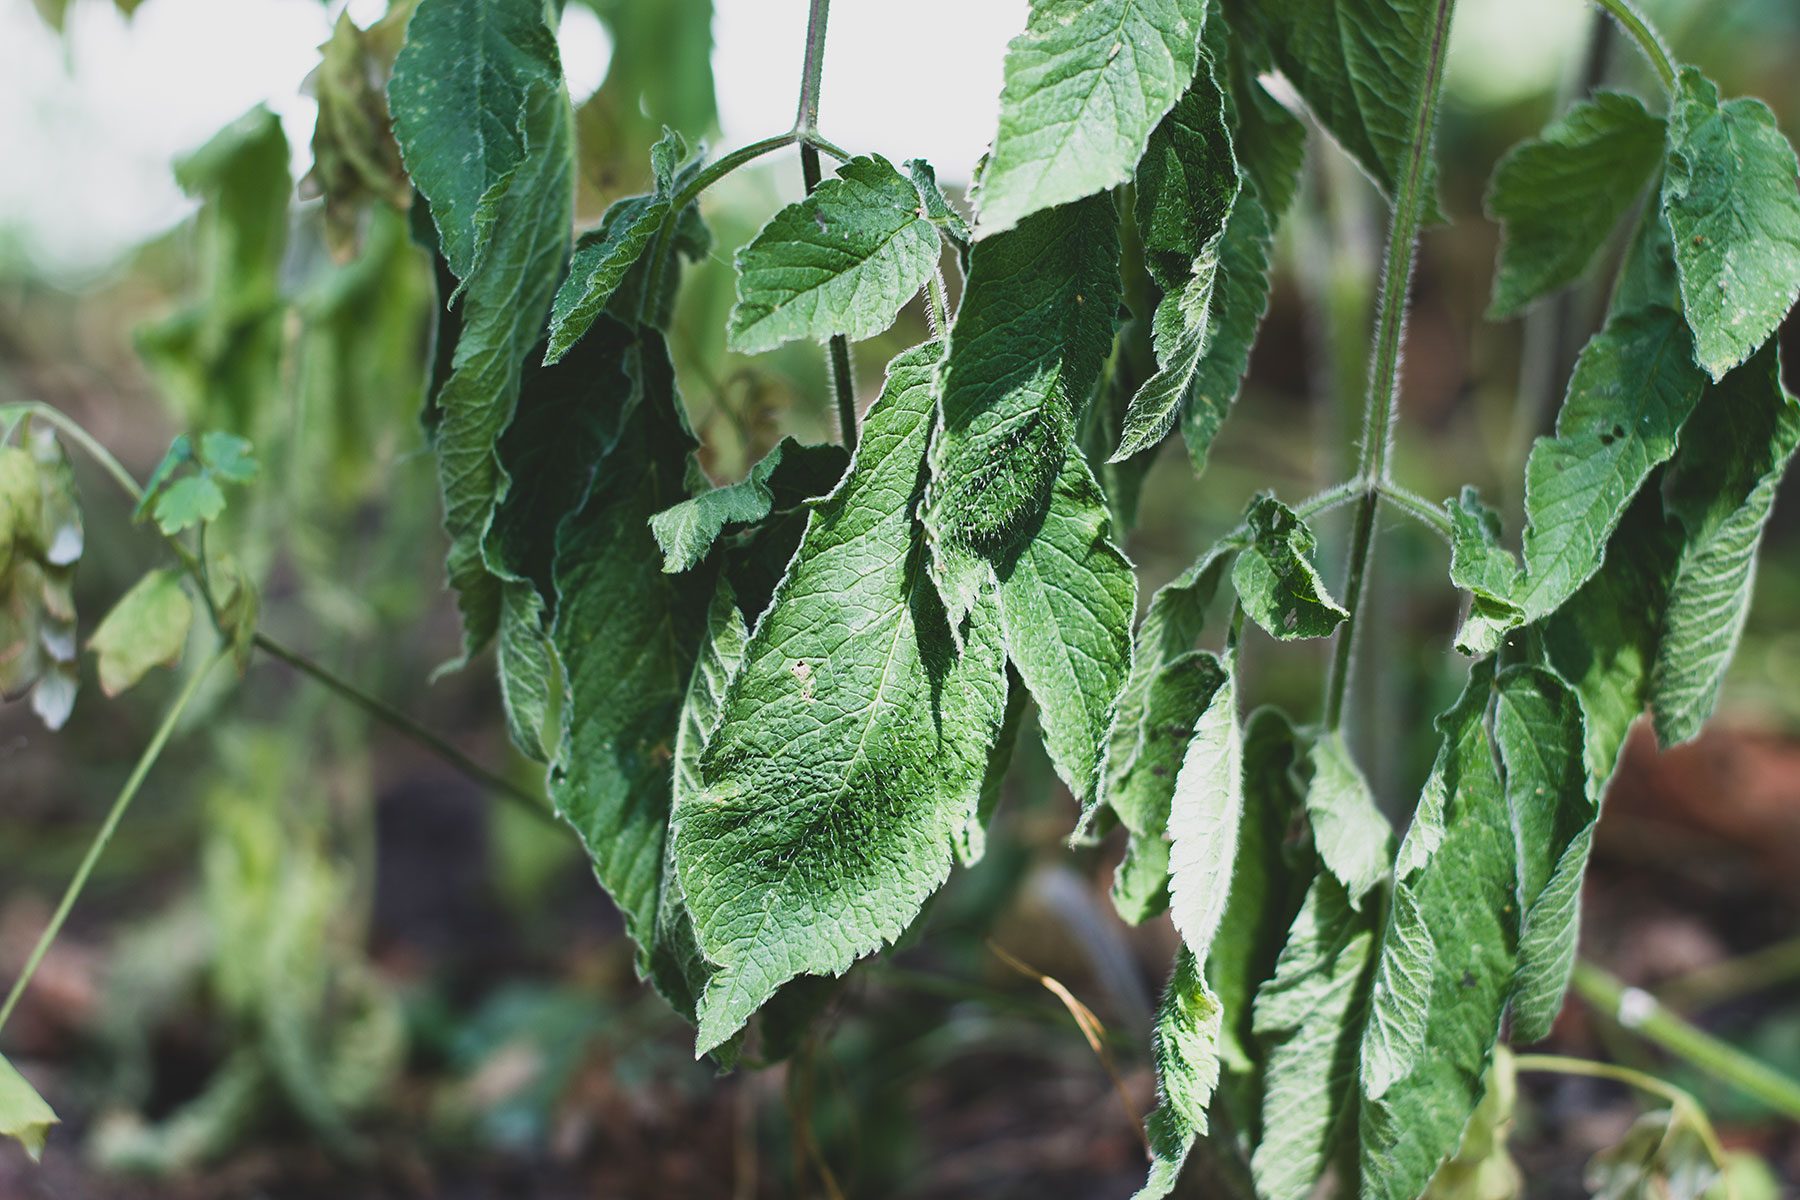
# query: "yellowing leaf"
147,628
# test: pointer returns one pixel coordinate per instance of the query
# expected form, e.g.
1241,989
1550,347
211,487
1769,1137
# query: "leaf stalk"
1645,35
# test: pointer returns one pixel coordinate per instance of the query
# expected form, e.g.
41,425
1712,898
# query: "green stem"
1751,973
1384,372
1645,35
1417,507
806,123
1678,1098
105,832
195,567
1645,1016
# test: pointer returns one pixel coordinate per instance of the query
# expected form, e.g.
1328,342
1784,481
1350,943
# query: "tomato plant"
777,712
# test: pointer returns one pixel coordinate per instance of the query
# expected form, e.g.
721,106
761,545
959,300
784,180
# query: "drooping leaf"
1483,1168
935,206
1721,488
1360,66
1445,963
1731,199
1633,387
24,1116
1275,578
853,740
41,541
971,843
1141,795
1538,730
1559,196
1185,1046
1030,338
1187,185
1269,883
785,477
1487,570
1269,145
1204,815
627,636
468,98
1350,833
1085,84
605,254
1309,1019
355,161
1663,1155
484,127
147,628
842,261
1066,599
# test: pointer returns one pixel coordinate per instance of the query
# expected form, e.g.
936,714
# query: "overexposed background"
90,122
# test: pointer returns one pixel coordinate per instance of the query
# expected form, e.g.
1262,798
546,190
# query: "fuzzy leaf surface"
1352,836
1185,1047
1559,196
1085,84
788,475
1034,329
1275,578
1204,815
1309,1020
1445,964
852,743
1721,489
842,261
1730,195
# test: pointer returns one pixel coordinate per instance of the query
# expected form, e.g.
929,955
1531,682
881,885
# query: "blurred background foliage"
318,962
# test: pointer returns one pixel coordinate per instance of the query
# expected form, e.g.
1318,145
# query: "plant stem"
1755,972
379,709
1384,371
1677,1097
1645,1016
1417,507
104,835
806,124
1641,31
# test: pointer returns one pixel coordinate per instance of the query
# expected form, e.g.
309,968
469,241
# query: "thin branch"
812,70
1645,35
103,836
1417,507
1384,371
806,123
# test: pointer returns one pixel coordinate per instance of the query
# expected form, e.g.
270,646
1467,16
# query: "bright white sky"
89,125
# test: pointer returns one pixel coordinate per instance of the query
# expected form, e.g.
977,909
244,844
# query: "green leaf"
1538,730
1141,794
1204,815
1033,331
842,261
466,96
1487,570
1187,185
1559,197
1730,196
785,477
853,741
227,456
1275,578
627,636
41,541
1269,145
1309,1020
936,207
1633,387
971,843
1445,964
1185,1046
1664,1154
1604,640
1721,488
485,130
24,1116
355,161
1065,603
147,628
1360,66
189,501
1085,84
1483,1169
605,254
1352,836
1269,882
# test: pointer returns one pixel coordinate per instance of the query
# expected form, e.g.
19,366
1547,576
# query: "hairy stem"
806,122
195,567
1384,369
1417,507
104,834
1641,31
1644,1015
